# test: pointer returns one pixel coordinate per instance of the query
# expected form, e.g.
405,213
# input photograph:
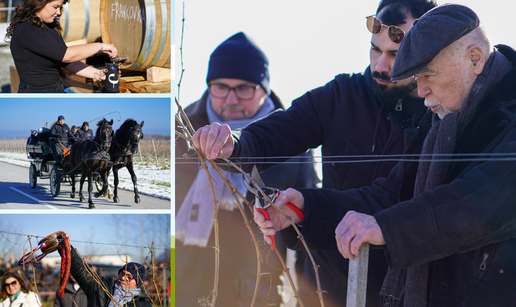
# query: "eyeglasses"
375,26
243,92
7,285
129,277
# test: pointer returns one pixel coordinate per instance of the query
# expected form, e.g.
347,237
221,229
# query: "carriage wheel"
55,182
33,176
98,181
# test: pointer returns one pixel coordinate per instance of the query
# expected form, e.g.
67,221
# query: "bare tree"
93,249
153,228
7,240
142,235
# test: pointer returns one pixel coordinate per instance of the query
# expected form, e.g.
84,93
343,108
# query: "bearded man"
354,114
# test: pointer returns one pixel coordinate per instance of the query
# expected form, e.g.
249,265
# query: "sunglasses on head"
375,26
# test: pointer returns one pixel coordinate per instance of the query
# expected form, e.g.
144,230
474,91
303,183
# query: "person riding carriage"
60,133
85,132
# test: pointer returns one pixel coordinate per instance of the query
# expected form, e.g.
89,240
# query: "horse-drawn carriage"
92,159
42,166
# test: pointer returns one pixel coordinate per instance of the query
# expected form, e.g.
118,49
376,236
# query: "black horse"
124,145
92,156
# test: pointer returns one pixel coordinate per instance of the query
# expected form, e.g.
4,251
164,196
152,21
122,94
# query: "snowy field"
153,180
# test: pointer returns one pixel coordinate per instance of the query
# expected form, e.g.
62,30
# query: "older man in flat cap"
446,220
353,114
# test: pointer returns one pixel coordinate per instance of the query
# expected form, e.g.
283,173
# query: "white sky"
307,42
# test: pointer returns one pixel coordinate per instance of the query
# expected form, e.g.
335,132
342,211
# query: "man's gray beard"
443,111
393,94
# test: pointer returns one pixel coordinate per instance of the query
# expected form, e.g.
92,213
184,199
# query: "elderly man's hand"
355,229
214,139
279,221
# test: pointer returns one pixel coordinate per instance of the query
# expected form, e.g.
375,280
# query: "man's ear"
477,58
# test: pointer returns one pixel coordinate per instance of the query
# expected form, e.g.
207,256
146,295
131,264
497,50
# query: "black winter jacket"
465,229
61,133
97,296
195,265
347,119
85,135
71,298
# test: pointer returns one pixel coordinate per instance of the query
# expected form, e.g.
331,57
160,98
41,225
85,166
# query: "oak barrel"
139,29
80,20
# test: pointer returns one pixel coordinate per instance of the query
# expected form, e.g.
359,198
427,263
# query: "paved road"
16,193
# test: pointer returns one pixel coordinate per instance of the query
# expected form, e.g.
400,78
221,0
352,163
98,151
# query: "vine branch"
188,131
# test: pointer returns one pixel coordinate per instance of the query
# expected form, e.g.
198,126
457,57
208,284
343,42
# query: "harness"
124,150
121,151
89,152
66,151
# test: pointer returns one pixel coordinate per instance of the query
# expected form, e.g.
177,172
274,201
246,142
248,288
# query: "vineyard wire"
78,241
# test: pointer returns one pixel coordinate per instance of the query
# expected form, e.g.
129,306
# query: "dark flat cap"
430,34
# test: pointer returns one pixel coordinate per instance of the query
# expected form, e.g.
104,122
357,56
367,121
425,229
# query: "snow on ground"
153,180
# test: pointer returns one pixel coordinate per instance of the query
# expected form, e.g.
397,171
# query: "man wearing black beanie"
123,291
85,132
238,93
354,114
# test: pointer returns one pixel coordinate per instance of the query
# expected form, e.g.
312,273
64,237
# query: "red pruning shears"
260,201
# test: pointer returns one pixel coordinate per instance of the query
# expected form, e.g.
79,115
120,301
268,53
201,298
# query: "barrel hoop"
164,31
150,20
86,18
67,17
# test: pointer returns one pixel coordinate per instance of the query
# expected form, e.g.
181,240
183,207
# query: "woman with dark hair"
14,292
38,49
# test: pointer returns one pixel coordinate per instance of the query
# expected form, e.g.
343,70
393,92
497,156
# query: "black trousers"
56,87
57,150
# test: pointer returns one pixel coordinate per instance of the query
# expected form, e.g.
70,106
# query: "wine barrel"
80,20
139,29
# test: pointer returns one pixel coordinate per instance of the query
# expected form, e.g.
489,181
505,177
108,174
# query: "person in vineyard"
238,93
127,289
362,114
15,293
39,51
74,296
445,221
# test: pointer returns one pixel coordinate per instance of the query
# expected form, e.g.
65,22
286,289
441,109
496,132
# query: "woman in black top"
39,50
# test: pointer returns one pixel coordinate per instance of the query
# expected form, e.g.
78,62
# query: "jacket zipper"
389,143
399,105
482,266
